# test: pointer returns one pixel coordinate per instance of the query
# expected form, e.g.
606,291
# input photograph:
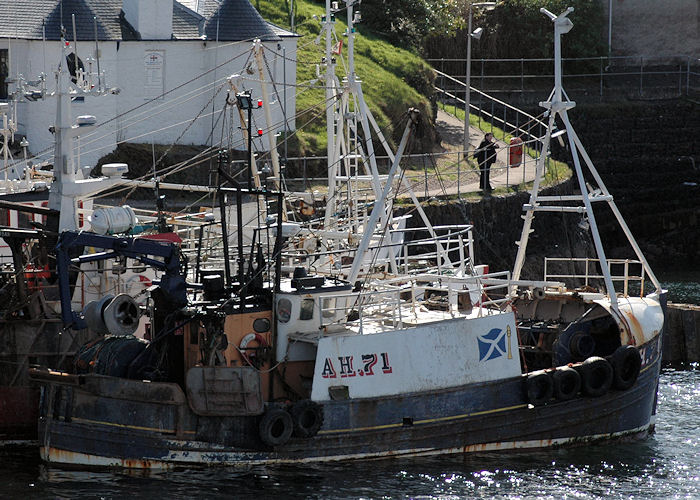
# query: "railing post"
641,75
601,76
522,77
303,169
425,175
458,172
482,75
442,75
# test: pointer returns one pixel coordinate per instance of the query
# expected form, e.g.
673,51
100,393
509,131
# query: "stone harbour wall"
681,341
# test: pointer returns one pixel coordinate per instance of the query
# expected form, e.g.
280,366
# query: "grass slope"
393,79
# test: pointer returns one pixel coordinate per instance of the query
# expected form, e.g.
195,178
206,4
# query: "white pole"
330,119
467,95
378,209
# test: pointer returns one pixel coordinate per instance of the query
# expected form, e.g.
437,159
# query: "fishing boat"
36,205
257,364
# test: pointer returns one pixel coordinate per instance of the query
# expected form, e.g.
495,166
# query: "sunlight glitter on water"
667,465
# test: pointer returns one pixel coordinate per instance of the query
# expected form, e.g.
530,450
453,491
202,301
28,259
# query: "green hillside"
394,79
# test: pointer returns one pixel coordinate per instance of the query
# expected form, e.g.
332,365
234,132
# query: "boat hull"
80,427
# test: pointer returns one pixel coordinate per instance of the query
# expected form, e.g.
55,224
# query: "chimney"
153,19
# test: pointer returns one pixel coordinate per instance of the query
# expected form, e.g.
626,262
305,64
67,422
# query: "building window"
4,73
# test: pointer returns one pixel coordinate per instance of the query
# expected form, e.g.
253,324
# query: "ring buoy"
539,388
582,346
626,362
567,383
249,358
596,376
307,417
275,427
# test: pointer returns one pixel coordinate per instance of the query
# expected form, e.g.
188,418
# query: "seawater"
683,288
666,465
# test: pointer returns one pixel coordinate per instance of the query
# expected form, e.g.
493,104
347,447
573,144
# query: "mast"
331,150
66,189
347,118
558,104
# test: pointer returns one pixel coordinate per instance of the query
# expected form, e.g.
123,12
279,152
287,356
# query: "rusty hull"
92,423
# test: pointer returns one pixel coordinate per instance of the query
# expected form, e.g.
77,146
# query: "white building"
169,59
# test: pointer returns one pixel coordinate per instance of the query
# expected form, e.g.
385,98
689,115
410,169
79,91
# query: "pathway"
451,131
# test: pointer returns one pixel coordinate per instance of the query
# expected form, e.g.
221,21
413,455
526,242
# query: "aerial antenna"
43,41
75,51
97,56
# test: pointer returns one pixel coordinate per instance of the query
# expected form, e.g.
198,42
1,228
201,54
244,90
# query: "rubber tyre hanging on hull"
539,388
307,417
567,383
275,427
581,346
626,362
596,376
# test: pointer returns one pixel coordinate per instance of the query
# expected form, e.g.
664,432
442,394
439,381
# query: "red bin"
515,152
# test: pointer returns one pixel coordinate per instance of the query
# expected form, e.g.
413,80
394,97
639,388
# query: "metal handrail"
589,274
688,70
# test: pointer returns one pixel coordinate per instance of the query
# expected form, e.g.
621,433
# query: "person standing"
485,155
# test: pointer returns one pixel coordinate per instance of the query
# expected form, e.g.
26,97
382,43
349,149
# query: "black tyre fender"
275,427
581,346
567,383
539,388
307,417
626,362
596,376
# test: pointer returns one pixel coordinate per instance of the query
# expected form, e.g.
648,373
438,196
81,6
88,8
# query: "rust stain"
636,330
56,455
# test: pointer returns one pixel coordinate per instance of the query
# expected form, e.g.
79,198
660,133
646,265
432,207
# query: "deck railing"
588,272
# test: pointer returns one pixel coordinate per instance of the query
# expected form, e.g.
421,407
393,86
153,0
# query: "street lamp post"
476,34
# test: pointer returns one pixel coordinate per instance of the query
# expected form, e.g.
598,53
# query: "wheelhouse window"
284,310
307,309
329,307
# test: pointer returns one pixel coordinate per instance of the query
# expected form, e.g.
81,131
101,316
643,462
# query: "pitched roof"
231,20
234,20
27,19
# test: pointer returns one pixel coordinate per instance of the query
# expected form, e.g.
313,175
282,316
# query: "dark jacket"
485,154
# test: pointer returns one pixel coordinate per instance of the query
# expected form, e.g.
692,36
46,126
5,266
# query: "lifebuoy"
596,376
275,427
305,208
307,417
567,383
249,358
626,362
539,388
